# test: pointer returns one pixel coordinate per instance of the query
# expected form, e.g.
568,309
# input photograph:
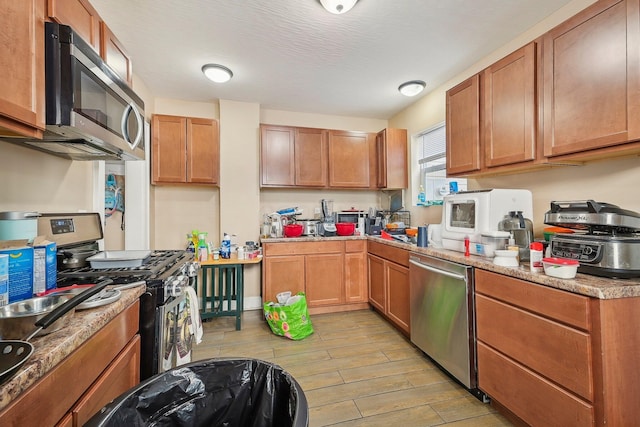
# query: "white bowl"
561,268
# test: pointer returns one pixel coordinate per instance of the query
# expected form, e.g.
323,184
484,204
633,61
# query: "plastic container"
214,392
562,268
492,240
535,257
506,258
225,249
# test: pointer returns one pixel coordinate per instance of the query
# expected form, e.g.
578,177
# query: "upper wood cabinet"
350,159
22,102
591,85
277,156
310,152
510,108
185,150
80,15
391,156
115,55
463,127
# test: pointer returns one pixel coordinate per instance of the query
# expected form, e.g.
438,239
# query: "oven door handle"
131,109
437,270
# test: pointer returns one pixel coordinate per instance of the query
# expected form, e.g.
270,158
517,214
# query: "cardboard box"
4,279
20,269
45,268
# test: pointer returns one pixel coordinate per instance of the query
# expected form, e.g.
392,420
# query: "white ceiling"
292,55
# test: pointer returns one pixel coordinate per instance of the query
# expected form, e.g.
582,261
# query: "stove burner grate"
158,262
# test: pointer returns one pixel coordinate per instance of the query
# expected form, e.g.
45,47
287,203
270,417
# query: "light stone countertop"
583,284
52,348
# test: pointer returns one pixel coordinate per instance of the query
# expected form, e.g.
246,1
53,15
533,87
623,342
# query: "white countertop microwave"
470,213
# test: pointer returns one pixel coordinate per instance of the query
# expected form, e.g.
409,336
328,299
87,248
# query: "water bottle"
422,197
225,249
203,248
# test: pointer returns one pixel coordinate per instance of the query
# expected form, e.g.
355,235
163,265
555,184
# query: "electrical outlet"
316,210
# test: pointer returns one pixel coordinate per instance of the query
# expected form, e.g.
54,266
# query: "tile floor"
355,370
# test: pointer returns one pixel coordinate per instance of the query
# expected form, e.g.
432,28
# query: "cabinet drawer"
397,255
532,398
355,245
303,248
556,351
559,305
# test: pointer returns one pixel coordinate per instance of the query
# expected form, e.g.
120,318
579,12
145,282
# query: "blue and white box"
44,266
20,270
4,279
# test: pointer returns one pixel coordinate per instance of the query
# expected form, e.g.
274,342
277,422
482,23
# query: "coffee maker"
327,226
521,229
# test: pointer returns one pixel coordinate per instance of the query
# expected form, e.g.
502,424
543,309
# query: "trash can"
220,391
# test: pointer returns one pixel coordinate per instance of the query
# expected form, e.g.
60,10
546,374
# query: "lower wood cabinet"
330,273
105,366
389,283
555,358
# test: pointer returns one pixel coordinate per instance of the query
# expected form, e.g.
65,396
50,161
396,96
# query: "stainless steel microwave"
91,113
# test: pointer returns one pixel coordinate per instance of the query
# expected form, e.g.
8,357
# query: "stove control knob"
588,250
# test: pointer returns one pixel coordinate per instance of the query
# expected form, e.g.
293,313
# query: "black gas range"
165,274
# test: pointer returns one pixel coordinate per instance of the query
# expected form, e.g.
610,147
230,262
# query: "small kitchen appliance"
328,225
470,213
521,229
606,240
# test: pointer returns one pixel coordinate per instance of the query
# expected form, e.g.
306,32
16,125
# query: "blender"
328,225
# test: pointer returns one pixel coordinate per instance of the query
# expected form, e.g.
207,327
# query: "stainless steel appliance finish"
166,273
310,226
609,244
442,316
91,113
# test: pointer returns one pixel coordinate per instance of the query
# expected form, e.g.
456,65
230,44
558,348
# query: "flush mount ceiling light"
338,6
412,88
217,73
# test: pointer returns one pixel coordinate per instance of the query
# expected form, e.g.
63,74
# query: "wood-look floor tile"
385,368
325,379
337,364
418,416
331,414
490,420
427,376
349,391
461,408
408,398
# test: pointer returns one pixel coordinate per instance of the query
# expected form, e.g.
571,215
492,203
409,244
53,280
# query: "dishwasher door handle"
438,271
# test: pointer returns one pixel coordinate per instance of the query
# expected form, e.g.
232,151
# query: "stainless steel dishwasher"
442,316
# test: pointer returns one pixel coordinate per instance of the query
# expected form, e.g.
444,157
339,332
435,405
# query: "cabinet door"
510,107
463,127
79,15
324,274
22,98
203,151
355,277
115,55
377,289
168,149
591,85
397,283
349,159
310,157
391,154
121,375
277,156
280,274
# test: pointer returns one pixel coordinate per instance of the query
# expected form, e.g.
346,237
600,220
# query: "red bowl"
345,228
292,230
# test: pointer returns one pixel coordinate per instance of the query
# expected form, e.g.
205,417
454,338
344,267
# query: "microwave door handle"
131,108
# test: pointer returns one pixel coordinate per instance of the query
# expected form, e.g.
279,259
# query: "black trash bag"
214,392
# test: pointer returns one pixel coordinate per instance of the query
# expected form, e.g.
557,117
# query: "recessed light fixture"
217,73
412,88
338,6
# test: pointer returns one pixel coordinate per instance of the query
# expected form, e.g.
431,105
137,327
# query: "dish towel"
194,311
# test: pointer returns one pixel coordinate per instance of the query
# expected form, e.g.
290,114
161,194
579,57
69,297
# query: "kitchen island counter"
51,349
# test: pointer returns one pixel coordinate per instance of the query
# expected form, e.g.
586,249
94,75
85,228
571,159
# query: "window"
432,160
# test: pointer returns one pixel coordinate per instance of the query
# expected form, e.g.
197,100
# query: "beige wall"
559,183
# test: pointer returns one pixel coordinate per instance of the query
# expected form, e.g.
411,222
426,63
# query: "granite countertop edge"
51,349
582,284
